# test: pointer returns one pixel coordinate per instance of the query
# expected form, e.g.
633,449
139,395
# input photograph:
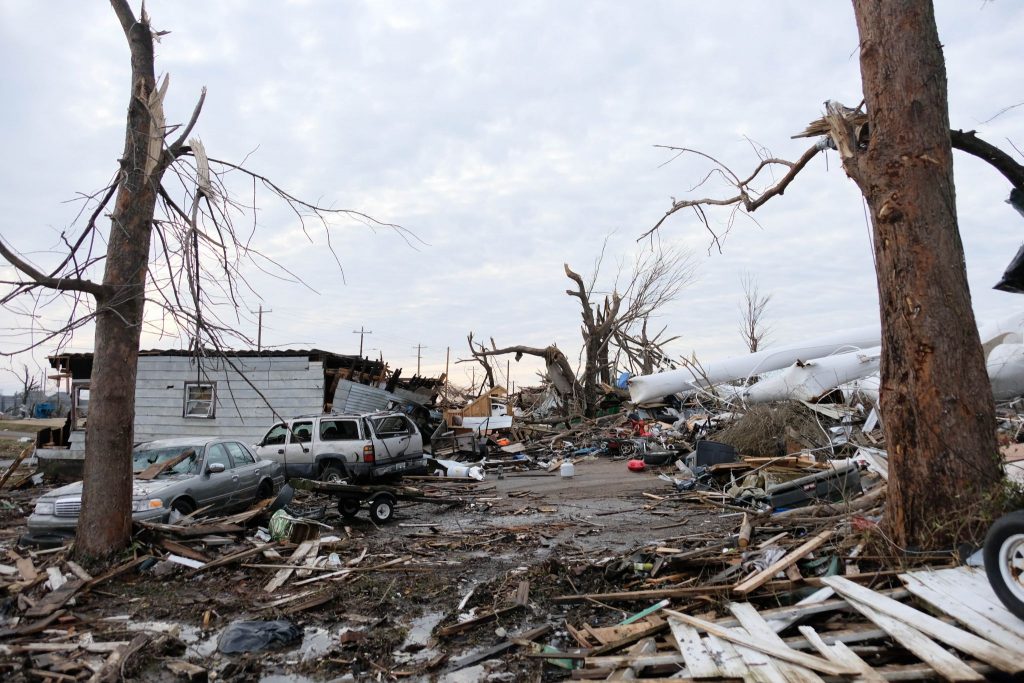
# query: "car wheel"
332,474
45,540
183,506
382,509
349,507
265,490
1004,560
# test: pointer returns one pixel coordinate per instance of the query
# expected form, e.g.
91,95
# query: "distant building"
239,395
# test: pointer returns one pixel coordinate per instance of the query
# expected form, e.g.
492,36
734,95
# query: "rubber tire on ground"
333,473
349,507
183,506
44,540
627,448
1005,537
382,508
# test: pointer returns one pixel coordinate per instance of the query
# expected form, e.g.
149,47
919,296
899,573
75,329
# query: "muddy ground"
562,535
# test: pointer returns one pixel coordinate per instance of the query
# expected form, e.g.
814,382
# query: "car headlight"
44,508
147,504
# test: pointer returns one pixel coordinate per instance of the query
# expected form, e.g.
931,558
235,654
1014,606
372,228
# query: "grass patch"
22,425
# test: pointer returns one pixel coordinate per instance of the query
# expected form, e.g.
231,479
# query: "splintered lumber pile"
965,634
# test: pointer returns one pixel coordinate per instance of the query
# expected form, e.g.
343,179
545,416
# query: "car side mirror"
215,468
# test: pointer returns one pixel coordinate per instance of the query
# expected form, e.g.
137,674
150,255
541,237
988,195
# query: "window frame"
211,413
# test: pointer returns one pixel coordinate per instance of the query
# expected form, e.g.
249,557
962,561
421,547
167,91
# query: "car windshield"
141,459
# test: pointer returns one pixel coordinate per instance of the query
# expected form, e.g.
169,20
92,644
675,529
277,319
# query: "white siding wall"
293,386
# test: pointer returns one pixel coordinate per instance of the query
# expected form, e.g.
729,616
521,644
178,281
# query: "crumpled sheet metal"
808,381
653,387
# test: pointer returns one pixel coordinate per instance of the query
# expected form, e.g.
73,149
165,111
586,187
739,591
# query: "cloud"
510,139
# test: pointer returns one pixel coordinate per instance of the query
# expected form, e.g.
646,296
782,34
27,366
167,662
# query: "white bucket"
567,469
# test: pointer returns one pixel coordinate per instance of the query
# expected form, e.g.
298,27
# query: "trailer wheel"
349,507
382,508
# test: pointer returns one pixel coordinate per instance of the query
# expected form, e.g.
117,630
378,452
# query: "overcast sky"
510,138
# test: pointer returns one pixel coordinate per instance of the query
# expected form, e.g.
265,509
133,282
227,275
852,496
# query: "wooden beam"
779,652
764,576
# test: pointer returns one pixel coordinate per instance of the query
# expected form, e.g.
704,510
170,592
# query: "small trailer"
380,500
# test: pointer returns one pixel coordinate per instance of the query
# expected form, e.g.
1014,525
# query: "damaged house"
237,396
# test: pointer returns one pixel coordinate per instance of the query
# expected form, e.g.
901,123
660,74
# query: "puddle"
420,628
416,647
316,642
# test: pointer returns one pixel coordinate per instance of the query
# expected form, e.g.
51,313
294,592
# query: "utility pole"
361,332
419,348
259,329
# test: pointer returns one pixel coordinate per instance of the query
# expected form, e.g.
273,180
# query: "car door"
296,449
216,488
247,473
393,437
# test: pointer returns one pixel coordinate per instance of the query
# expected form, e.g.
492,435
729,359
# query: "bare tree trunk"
936,398
105,529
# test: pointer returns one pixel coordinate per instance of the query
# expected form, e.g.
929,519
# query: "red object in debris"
636,465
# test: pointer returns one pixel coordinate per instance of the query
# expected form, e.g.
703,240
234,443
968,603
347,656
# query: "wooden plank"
55,600
926,649
746,530
157,468
759,628
241,555
632,672
765,575
652,629
972,615
311,558
466,625
699,663
779,652
963,580
26,568
504,646
183,550
841,654
962,640
761,667
14,465
284,574
730,663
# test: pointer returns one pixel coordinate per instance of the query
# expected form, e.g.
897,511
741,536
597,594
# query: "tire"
264,491
183,506
334,474
382,509
1004,560
45,540
348,507
627,448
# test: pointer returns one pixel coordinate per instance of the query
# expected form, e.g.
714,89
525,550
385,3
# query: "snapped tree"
936,399
197,268
656,278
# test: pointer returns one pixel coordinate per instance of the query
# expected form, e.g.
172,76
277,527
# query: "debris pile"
748,545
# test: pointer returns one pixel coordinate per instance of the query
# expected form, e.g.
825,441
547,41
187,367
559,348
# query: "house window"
200,399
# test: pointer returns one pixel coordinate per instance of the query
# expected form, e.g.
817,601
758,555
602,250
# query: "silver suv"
336,447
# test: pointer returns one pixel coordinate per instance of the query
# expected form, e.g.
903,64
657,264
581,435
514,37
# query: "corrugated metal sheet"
359,398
